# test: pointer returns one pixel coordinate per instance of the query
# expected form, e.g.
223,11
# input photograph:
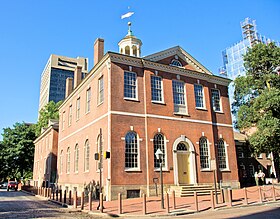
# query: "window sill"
202,109
87,112
100,103
163,170
181,114
131,99
225,170
206,170
132,170
158,102
219,112
87,171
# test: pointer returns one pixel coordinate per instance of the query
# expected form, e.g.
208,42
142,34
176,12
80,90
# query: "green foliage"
50,111
17,150
257,97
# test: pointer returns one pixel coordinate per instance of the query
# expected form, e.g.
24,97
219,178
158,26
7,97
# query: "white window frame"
63,120
86,156
226,156
208,151
212,100
157,90
253,172
76,158
201,98
61,161
100,90
129,85
68,154
178,107
70,115
138,153
164,166
88,99
78,108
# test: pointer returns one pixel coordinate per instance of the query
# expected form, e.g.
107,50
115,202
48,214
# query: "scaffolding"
249,30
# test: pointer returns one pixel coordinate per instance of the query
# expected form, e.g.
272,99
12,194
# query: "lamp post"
159,156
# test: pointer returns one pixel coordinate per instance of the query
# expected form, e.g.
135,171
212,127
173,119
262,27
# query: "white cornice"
126,60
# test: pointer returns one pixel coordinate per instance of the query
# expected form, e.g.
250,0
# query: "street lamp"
159,156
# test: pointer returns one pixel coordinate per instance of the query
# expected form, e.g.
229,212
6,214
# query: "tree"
50,111
257,98
17,151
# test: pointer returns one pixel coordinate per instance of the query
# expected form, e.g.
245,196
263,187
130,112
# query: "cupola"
130,45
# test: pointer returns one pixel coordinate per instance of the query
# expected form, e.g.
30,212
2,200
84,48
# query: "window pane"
216,100
222,155
159,144
130,85
204,153
101,90
156,88
131,150
198,90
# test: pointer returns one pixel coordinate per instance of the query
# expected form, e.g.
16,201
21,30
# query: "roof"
239,137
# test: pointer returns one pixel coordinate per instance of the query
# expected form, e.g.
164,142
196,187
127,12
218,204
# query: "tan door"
183,168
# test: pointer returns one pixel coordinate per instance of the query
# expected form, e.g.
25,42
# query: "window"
156,84
240,153
130,87
176,62
70,115
63,120
68,160
61,161
179,96
88,97
251,170
86,156
131,150
216,101
199,99
78,106
76,158
100,90
159,144
260,155
204,153
222,154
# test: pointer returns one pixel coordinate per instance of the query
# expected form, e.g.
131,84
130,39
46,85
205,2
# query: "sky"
31,30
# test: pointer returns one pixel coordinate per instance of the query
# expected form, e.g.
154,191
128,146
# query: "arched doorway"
184,162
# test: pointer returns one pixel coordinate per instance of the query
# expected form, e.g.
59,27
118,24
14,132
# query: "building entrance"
183,164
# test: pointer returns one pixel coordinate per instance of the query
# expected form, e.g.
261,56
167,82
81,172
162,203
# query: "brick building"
45,156
166,100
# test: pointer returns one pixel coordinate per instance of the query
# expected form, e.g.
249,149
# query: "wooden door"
183,168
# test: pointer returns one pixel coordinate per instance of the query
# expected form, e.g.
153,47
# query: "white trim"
193,177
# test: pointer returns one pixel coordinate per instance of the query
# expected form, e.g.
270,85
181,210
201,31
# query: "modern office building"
233,64
54,75
131,106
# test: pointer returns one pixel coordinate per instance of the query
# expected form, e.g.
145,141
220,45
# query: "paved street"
20,205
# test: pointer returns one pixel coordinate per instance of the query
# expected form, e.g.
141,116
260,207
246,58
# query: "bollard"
260,194
167,202
53,194
212,200
273,193
90,201
75,199
60,195
229,198
245,197
44,192
70,193
56,194
174,199
82,200
64,198
195,201
101,202
222,196
144,204
120,203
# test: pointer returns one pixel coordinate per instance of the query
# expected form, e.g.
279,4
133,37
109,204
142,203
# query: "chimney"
77,76
69,87
98,50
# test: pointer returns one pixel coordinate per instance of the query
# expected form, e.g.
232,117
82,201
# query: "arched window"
76,158
204,153
131,150
159,144
222,159
176,62
68,160
134,50
61,161
86,156
127,50
182,147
